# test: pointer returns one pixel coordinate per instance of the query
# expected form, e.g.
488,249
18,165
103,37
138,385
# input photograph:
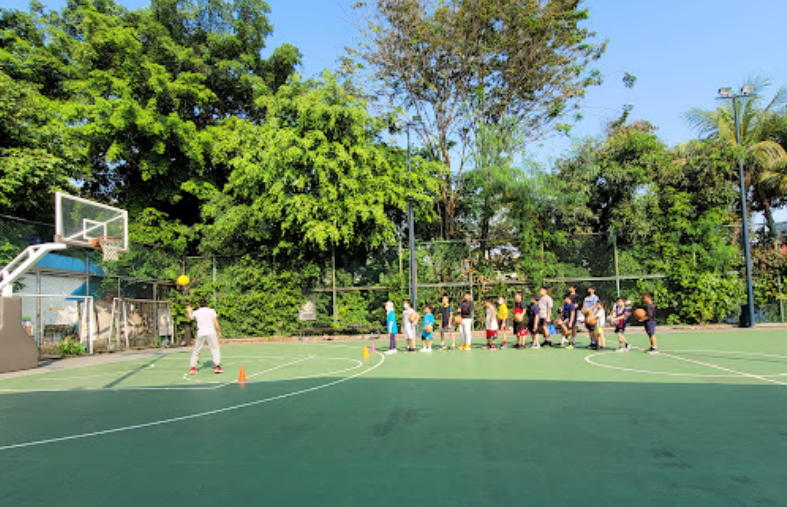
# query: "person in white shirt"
208,331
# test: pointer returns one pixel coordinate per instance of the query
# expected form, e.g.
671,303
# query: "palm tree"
765,156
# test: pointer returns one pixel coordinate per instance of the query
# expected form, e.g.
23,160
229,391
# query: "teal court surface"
702,424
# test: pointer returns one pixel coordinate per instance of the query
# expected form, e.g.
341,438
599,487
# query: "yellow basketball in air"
183,280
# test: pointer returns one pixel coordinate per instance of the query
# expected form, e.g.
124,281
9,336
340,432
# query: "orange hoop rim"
100,241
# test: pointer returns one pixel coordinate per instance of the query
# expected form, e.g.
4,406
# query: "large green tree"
461,64
313,177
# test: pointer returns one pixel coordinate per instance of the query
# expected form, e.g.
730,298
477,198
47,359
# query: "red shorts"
490,333
523,331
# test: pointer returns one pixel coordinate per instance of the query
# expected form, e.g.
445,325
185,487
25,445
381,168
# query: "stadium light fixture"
727,94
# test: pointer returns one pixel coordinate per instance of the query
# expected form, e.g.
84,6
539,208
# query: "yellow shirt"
502,312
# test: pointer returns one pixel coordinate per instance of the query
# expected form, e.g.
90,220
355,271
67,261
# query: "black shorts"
620,328
650,327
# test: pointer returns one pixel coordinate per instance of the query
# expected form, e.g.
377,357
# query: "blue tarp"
65,263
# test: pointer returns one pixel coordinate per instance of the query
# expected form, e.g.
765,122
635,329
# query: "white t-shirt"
204,318
491,319
544,307
601,317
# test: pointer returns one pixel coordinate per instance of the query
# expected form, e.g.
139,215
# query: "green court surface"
702,424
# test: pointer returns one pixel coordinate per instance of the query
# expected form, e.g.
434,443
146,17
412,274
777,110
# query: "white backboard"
78,222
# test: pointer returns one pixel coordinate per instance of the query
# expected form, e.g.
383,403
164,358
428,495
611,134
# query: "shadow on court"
132,373
392,442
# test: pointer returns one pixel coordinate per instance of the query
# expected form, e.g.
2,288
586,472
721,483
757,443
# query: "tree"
461,64
313,177
763,155
140,89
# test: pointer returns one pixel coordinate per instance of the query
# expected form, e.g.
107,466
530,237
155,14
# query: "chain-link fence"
255,296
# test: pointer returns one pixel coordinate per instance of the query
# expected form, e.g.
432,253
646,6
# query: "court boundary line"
207,386
722,368
198,415
735,373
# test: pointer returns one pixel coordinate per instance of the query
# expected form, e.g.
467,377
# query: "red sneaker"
193,371
218,369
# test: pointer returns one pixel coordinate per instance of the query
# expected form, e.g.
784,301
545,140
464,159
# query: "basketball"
428,328
592,320
640,314
458,320
183,280
519,316
414,317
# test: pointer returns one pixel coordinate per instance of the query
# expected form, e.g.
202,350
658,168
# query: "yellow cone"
366,352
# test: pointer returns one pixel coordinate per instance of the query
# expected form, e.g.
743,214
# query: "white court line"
722,368
735,373
267,371
190,416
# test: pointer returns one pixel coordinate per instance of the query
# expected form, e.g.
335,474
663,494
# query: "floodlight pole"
411,227
728,94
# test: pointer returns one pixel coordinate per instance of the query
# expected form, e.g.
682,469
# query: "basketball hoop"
109,245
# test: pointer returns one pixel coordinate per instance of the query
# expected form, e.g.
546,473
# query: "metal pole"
333,286
617,267
411,226
39,325
781,297
744,216
214,279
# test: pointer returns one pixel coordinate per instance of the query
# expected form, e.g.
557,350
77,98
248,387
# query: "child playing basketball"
532,322
466,309
491,325
409,326
601,321
208,331
502,318
577,301
620,314
650,322
446,325
567,322
390,324
588,307
520,327
428,330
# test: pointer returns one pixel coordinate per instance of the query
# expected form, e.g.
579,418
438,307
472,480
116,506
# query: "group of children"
528,319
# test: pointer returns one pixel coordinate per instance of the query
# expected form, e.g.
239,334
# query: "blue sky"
681,51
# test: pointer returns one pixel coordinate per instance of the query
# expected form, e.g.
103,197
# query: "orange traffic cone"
242,375
366,352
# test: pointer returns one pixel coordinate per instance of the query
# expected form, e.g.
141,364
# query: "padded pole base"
18,350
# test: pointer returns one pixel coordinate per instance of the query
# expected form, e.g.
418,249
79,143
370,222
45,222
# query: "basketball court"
701,423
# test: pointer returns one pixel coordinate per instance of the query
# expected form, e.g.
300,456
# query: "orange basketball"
458,320
640,314
428,328
519,316
414,317
592,320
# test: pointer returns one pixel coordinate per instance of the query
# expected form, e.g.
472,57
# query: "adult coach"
208,330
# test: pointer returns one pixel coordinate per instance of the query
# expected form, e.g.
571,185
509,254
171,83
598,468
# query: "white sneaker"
536,345
429,351
423,350
621,349
390,352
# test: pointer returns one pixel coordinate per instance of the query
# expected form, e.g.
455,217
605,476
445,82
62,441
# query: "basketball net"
109,245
